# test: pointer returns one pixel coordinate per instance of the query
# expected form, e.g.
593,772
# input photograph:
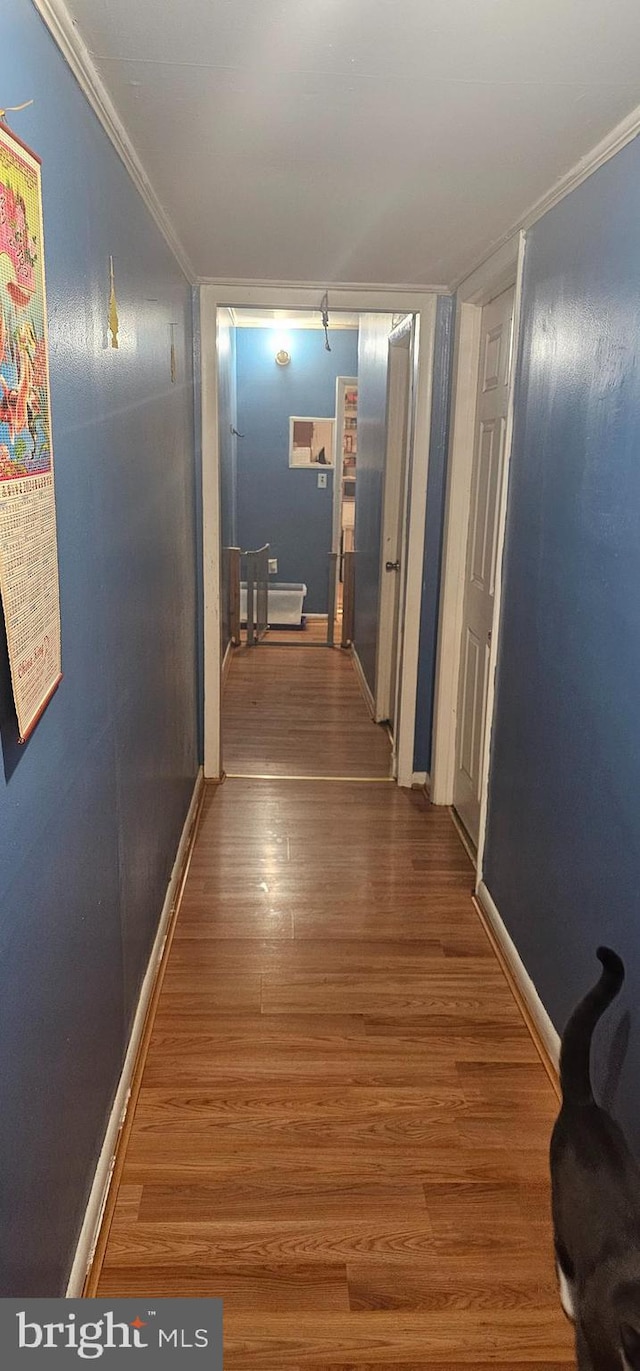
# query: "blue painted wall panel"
92,808
434,523
228,420
563,848
373,356
277,504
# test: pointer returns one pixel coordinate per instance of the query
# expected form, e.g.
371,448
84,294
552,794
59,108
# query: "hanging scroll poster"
28,547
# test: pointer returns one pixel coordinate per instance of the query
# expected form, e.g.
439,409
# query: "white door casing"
495,275
394,522
481,556
420,303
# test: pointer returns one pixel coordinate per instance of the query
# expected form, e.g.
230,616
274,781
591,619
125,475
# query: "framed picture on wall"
311,442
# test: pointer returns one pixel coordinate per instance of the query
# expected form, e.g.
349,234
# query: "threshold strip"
271,776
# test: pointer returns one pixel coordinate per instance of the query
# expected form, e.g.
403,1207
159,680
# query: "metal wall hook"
235,433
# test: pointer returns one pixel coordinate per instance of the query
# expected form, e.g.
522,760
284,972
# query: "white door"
394,518
480,572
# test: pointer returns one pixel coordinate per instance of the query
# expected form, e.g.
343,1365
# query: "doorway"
394,524
278,410
479,451
481,556
213,300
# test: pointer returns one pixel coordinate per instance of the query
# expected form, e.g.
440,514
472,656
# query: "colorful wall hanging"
28,544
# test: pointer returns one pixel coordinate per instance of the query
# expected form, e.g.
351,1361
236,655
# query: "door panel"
480,569
472,686
394,522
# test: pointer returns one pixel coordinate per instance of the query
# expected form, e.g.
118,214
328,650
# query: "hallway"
342,1125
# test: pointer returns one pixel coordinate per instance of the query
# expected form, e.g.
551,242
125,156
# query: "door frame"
502,270
394,503
420,303
342,384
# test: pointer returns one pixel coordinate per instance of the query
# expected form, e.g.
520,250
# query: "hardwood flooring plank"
283,1289
275,1106
424,959
433,1284
278,1197
424,1366
304,1240
395,993
512,1337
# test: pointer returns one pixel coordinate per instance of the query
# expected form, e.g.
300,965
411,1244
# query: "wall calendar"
28,542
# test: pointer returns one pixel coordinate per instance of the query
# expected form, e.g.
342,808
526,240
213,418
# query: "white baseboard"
549,1037
364,684
419,778
226,661
104,1170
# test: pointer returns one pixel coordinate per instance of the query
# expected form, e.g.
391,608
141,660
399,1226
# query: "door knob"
392,566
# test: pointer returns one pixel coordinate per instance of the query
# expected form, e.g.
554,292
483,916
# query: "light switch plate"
322,480
273,566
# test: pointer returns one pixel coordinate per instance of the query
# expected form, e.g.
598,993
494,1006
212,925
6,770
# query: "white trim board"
389,301
285,295
363,683
211,535
504,269
226,660
417,480
494,648
237,290
548,1034
65,34
393,531
99,1192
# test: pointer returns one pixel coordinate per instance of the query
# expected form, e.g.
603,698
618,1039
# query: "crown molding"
613,142
362,287
65,34
304,320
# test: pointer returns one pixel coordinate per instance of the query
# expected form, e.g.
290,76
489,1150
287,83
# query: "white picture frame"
311,442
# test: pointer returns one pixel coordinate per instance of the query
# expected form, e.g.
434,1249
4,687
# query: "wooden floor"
342,1127
291,712
313,634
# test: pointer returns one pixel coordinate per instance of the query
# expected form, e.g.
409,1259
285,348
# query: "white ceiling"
362,141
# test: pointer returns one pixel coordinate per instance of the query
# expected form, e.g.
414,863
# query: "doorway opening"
286,431
356,473
482,420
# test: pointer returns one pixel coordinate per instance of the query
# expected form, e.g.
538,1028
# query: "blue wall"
92,812
373,353
563,849
277,504
433,533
